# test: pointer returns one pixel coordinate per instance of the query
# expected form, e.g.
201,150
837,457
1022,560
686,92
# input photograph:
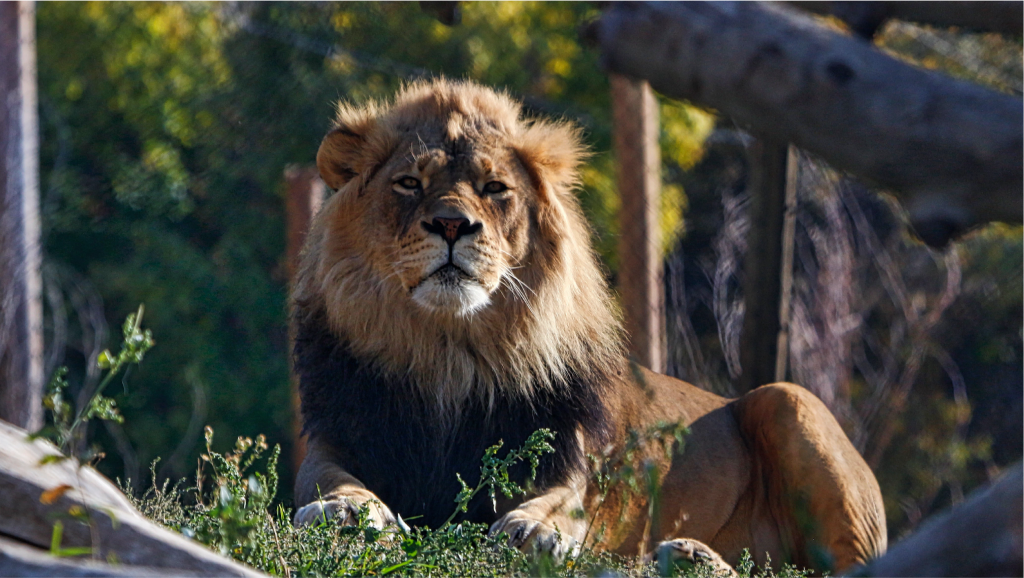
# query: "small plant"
239,502
494,470
67,426
65,430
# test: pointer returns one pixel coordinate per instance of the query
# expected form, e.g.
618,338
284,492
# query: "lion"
448,299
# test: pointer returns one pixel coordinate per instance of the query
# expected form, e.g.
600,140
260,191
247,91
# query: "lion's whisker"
515,286
520,281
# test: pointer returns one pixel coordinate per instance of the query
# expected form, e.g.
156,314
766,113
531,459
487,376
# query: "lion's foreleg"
553,522
328,491
688,551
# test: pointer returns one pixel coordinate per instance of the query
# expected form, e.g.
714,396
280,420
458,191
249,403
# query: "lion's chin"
461,298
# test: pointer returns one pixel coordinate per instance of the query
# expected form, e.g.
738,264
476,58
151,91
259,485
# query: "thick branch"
117,529
981,537
19,559
866,17
952,150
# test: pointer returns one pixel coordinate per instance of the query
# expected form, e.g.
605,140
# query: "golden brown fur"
429,275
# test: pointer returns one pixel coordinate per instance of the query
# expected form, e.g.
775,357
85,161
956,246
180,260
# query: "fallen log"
17,559
981,537
951,150
116,530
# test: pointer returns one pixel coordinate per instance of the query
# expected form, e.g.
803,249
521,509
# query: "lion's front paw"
346,509
682,550
534,537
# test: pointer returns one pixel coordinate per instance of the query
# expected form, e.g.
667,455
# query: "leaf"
78,512
53,494
391,569
56,536
52,459
67,552
105,360
112,514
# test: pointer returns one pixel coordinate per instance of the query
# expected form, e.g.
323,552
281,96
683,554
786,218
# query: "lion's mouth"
450,274
451,289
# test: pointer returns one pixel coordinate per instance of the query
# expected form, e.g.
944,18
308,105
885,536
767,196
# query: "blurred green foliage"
963,422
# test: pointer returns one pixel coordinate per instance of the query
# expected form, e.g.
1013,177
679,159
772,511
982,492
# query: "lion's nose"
451,229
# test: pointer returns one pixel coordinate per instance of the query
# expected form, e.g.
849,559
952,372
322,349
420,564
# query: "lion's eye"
410,183
495,187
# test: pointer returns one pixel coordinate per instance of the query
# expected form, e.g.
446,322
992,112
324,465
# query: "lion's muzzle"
451,229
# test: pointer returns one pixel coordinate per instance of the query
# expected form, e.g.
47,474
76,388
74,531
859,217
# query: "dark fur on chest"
392,440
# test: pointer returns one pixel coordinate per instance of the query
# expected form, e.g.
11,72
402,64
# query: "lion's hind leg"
823,496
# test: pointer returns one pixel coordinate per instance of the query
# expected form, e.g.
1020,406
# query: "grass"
230,509
229,506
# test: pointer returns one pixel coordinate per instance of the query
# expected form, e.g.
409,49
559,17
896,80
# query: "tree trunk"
305,195
21,312
17,559
866,17
768,266
950,149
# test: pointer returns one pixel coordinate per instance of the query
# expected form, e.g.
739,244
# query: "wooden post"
764,342
635,118
21,312
786,269
305,195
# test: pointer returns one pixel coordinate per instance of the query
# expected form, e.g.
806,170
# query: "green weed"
66,426
235,515
230,506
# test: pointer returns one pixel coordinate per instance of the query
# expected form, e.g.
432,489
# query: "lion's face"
450,219
454,251
444,195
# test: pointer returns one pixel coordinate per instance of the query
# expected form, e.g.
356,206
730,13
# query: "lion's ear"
552,153
349,148
338,157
